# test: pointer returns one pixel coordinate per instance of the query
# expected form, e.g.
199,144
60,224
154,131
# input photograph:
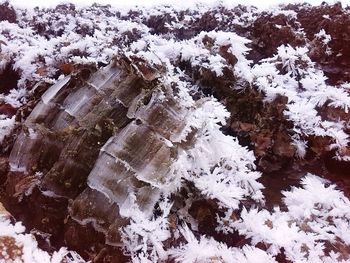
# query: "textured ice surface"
105,142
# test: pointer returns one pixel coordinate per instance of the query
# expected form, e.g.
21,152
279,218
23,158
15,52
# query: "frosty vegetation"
311,224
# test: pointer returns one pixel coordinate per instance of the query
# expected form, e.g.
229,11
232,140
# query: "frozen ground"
182,3
261,105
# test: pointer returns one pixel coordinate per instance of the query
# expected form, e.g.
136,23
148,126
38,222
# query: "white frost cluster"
217,165
316,220
143,238
209,250
6,126
305,87
314,227
325,38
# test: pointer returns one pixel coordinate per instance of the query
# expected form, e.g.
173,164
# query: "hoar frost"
208,164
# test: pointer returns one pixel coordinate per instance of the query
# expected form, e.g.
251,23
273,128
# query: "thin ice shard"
51,93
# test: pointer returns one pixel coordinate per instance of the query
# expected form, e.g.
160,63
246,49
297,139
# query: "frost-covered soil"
18,246
267,178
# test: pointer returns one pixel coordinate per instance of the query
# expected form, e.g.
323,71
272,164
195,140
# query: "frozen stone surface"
101,142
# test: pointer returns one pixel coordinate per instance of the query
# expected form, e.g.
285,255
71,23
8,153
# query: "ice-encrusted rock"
102,142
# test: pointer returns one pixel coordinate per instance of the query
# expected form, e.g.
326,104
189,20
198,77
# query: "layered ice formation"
102,141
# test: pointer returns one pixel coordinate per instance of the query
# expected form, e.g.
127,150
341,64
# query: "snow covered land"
216,133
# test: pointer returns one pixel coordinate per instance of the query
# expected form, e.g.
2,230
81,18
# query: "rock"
99,142
7,13
8,78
